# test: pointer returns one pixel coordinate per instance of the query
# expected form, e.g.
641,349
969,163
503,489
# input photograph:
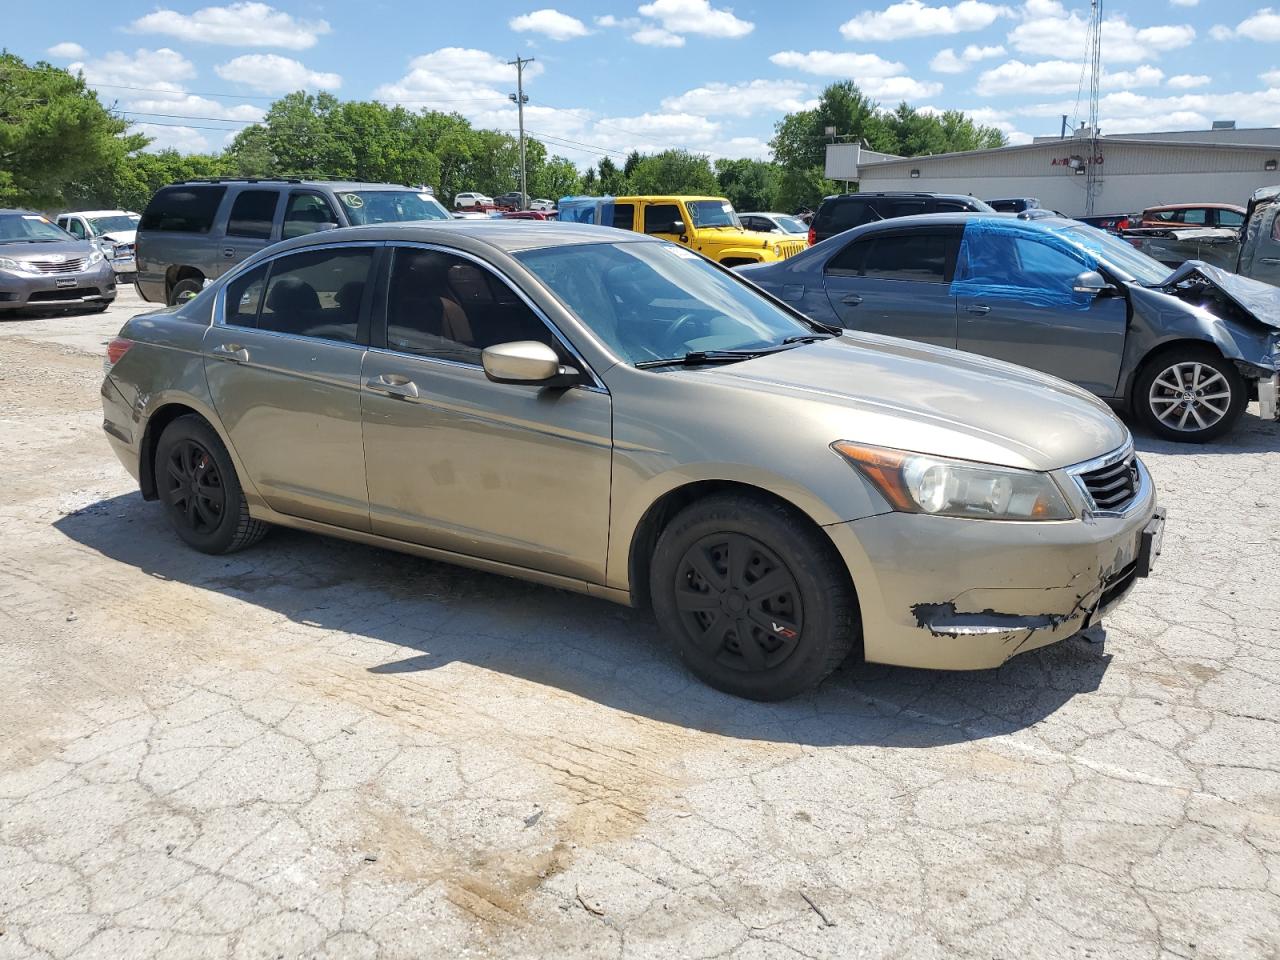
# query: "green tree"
130,183
749,184
54,134
556,178
613,182
674,172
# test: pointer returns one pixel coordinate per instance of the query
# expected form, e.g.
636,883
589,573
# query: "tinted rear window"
183,209
835,216
252,213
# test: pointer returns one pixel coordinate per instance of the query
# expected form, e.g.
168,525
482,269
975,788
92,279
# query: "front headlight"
777,250
918,483
95,256
8,263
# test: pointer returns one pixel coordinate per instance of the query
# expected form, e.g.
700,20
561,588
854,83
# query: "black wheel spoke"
195,492
748,646
739,555
713,637
703,566
694,602
776,581
175,471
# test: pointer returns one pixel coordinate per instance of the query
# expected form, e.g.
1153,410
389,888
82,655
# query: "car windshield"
791,225
652,301
390,206
29,228
110,224
1117,254
713,213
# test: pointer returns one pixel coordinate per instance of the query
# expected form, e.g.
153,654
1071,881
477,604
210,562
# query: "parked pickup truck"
707,225
1252,251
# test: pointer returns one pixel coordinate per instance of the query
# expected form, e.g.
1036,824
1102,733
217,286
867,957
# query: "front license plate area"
1150,541
63,283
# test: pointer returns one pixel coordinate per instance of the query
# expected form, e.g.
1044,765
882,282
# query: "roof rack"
241,180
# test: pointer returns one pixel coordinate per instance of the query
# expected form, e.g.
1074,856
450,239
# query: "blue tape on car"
1003,258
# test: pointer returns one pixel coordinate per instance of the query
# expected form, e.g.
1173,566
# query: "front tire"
1190,394
200,491
753,597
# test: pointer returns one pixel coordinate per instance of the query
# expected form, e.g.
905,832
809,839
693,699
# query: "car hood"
121,236
71,249
1259,300
897,393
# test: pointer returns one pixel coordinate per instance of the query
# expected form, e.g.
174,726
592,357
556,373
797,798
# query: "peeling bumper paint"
943,593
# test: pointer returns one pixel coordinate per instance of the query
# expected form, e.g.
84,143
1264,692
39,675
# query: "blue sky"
704,75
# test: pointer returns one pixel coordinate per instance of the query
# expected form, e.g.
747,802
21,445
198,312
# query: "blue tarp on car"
585,210
1003,259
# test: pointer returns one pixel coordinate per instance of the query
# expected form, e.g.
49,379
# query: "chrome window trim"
1077,471
219,304
597,384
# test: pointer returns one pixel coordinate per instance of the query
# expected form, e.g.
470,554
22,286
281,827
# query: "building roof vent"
1224,125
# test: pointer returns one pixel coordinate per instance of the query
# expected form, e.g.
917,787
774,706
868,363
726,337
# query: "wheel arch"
1158,351
176,273
165,411
662,511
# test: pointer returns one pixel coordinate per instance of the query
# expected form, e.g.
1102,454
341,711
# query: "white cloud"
1047,30
946,61
180,138
67,51
272,73
161,68
696,16
899,88
609,20
1263,25
1128,112
736,148
1271,78
988,117
743,99
1186,81
912,18
826,63
551,23
1184,3
456,75
248,24
657,37
1057,76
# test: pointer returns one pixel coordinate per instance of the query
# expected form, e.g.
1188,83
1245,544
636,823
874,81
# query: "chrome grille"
1112,487
57,266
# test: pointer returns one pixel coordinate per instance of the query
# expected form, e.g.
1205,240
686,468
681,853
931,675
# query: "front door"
283,366
516,474
1017,304
666,221
897,283
1260,244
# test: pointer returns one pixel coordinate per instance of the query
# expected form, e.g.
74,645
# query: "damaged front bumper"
946,593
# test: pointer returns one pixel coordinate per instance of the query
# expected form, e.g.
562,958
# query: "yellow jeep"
705,224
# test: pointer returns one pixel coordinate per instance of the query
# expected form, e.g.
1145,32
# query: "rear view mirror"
1092,283
527,362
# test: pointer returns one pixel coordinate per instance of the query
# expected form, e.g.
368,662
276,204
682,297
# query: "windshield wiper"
810,337
699,357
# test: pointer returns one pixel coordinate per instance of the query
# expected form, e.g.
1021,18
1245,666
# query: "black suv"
195,231
848,210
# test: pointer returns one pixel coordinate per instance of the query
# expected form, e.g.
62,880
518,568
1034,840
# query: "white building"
1126,172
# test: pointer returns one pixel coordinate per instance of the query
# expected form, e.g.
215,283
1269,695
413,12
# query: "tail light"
1122,224
813,237
116,349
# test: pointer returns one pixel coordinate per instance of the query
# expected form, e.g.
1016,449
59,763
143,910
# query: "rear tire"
201,493
754,599
1190,394
184,290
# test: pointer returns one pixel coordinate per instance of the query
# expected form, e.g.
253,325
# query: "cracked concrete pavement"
319,750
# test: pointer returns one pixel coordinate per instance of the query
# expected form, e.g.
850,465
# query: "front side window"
390,206
75,228
662,218
305,214
448,308
183,209
316,293
252,213
243,298
1230,218
651,301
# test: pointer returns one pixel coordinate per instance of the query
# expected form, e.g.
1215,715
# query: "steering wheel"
673,337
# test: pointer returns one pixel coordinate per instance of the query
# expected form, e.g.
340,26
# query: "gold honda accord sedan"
609,413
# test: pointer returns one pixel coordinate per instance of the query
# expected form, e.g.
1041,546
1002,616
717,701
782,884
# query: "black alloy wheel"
738,602
193,488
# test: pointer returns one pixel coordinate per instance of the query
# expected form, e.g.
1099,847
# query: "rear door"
897,282
283,365
250,226
1029,314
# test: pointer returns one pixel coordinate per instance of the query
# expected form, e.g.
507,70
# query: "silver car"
41,265
609,413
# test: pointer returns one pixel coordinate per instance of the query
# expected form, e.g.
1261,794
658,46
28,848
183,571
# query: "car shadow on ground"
434,614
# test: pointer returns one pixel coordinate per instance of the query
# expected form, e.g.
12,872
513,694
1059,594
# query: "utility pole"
520,100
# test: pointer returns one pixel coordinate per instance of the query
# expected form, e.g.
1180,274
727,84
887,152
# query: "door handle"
979,308
228,252
393,385
231,351
852,299
1271,260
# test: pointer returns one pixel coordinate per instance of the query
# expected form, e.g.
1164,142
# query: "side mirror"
326,225
529,363
677,226
1092,283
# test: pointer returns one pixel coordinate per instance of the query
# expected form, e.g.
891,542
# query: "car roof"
286,182
1196,206
98,213
956,219
899,193
505,235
